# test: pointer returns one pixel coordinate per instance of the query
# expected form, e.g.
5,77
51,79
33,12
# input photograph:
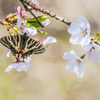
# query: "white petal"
19,21
95,46
18,10
49,40
24,22
71,66
90,46
87,48
76,39
70,55
74,29
45,23
30,57
8,54
93,55
26,60
85,40
30,31
80,71
83,23
10,67
21,66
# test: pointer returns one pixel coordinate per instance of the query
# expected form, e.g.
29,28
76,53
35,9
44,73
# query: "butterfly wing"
22,42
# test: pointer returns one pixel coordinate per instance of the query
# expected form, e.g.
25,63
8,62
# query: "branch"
31,13
47,12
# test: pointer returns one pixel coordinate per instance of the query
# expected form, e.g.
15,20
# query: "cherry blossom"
19,66
75,63
91,53
80,32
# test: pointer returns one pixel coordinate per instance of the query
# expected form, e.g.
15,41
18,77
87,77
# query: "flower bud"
15,29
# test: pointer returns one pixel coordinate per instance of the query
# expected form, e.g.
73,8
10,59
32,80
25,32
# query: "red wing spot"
20,51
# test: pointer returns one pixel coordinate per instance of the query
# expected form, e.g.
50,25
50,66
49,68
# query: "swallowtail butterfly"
22,44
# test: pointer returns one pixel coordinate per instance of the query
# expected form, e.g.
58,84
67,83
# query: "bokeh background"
49,79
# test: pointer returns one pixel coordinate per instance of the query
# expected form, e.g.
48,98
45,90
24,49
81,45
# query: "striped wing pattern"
22,44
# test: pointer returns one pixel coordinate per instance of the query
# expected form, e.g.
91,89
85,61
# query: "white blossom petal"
8,54
91,52
30,57
45,23
80,71
49,40
95,46
93,55
21,66
70,55
75,63
10,67
71,66
85,40
74,29
87,48
30,31
18,10
24,22
82,21
19,21
76,39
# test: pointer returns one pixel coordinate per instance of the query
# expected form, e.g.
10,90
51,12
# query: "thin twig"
47,12
31,13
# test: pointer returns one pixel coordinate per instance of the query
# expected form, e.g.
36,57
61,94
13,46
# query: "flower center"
84,32
77,61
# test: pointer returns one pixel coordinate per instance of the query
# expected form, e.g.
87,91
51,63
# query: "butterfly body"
22,44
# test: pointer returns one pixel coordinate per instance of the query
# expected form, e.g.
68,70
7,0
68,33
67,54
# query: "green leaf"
97,35
42,32
33,22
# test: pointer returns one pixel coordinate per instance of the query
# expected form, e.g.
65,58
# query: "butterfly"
22,44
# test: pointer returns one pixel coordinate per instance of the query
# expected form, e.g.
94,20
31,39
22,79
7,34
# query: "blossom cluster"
20,23
81,34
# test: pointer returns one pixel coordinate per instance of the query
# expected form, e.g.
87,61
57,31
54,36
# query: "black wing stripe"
32,44
22,42
13,40
5,42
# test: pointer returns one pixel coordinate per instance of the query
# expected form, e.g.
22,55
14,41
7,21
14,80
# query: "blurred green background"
49,79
